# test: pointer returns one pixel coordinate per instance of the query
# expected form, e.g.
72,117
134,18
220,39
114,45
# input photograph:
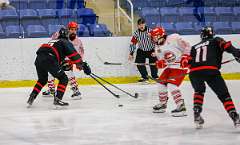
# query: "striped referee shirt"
141,40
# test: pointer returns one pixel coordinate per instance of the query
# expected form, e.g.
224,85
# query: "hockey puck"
120,105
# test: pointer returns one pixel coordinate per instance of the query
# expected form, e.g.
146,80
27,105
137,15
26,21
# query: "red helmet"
72,25
158,35
158,32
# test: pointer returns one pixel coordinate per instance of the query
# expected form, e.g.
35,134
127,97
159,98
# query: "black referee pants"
141,58
47,63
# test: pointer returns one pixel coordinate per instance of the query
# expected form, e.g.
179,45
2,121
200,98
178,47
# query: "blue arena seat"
186,14
185,28
35,31
230,3
169,27
66,15
37,4
175,3
236,12
2,34
99,30
75,4
14,31
29,17
83,31
9,17
54,28
235,27
169,14
48,16
152,21
56,4
222,27
149,11
156,3
19,4
198,26
210,14
86,16
224,14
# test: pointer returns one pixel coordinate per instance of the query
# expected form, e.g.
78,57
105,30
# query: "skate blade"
57,107
143,83
199,126
180,114
29,105
47,96
76,98
237,126
159,111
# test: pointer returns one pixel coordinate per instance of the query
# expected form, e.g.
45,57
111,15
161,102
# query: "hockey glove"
184,62
67,65
161,63
86,68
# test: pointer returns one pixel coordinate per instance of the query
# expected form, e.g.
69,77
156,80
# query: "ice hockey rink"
97,119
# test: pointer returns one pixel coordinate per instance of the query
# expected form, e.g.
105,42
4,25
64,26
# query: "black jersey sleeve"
228,47
71,52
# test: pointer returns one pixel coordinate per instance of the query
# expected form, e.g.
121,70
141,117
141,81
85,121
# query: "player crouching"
49,58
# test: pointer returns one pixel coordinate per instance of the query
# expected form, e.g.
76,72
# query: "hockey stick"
227,61
115,95
115,63
160,81
112,63
134,96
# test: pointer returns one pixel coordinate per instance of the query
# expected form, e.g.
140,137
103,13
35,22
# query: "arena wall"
18,55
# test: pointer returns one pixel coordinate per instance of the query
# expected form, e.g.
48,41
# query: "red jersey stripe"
54,50
73,54
203,67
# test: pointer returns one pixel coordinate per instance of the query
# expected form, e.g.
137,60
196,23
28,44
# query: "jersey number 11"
201,55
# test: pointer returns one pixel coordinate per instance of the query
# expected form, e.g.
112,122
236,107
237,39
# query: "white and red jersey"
77,43
176,45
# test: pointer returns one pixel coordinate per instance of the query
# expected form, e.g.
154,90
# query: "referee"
145,49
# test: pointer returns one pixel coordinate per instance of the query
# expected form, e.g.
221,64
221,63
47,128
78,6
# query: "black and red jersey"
61,48
209,52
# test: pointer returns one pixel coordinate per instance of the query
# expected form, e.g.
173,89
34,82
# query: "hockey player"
49,58
171,49
67,65
205,62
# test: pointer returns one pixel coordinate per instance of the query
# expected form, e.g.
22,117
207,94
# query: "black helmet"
63,33
207,32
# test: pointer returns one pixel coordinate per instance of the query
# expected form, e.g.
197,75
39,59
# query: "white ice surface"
97,119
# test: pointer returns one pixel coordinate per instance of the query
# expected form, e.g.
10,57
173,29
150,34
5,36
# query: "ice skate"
76,94
143,81
235,118
59,104
180,111
160,108
31,98
198,120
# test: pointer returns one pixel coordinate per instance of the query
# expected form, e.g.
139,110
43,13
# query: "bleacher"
177,15
41,18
